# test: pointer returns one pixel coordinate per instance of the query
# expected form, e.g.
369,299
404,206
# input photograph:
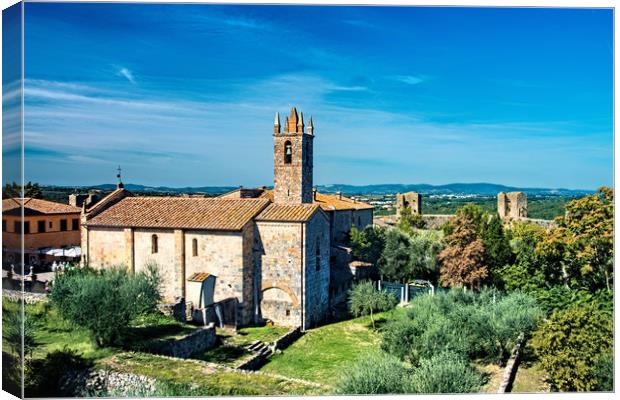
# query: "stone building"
512,205
269,250
411,199
46,225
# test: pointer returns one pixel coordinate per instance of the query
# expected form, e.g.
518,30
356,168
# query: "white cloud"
127,74
411,79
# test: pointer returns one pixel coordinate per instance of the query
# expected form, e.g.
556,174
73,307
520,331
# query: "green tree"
424,248
445,373
530,270
569,345
374,374
583,241
462,261
396,257
104,302
409,221
368,244
497,251
13,190
366,300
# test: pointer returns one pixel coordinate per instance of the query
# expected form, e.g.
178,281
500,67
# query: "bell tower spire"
292,159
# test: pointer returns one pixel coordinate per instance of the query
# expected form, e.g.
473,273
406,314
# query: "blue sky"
184,95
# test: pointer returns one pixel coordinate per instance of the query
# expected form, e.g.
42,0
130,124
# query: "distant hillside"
482,189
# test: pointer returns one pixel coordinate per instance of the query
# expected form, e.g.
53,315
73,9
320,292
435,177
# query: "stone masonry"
512,205
412,200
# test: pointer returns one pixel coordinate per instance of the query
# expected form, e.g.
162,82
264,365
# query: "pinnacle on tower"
276,123
310,127
292,120
300,123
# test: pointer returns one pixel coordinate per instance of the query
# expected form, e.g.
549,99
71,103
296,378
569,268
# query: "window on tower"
288,152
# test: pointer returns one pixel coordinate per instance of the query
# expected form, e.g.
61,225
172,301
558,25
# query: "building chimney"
339,194
313,193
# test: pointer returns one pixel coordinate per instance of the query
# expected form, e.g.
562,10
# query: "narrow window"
41,226
288,313
317,258
26,227
17,227
75,224
4,225
50,225
288,152
195,247
153,244
63,224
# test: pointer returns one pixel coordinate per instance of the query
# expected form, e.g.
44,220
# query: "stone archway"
282,287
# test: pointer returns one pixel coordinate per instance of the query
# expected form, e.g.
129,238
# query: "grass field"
321,354
204,378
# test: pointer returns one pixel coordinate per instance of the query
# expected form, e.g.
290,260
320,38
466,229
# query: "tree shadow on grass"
43,376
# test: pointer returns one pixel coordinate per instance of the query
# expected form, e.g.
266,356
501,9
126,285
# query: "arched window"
153,244
288,152
195,247
317,258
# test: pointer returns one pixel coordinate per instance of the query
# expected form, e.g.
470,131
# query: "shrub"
105,302
473,325
365,300
374,374
604,372
569,345
367,245
445,373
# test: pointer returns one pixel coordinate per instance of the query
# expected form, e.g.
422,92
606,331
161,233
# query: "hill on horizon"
483,189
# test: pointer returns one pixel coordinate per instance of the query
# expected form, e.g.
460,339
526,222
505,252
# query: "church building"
271,251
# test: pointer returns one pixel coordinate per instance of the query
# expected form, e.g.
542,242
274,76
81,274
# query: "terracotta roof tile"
199,277
288,212
180,213
328,202
39,205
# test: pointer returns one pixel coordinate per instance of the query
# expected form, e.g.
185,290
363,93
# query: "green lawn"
232,352
52,333
321,354
207,379
530,378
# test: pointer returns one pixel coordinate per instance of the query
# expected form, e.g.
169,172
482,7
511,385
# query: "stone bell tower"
292,160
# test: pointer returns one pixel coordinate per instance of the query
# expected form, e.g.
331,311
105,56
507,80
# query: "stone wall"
27,297
316,279
227,256
105,247
98,383
412,200
279,254
435,221
341,224
196,342
293,181
164,258
362,218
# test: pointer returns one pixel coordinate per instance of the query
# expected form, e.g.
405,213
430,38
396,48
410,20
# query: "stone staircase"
259,347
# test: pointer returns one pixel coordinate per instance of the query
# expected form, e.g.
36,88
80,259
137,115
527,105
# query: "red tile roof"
180,213
288,212
38,205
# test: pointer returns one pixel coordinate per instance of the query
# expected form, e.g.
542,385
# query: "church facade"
271,251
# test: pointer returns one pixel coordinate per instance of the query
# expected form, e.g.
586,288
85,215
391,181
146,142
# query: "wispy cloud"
411,79
127,74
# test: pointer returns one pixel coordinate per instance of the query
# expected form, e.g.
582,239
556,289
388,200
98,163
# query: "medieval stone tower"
292,160
512,205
